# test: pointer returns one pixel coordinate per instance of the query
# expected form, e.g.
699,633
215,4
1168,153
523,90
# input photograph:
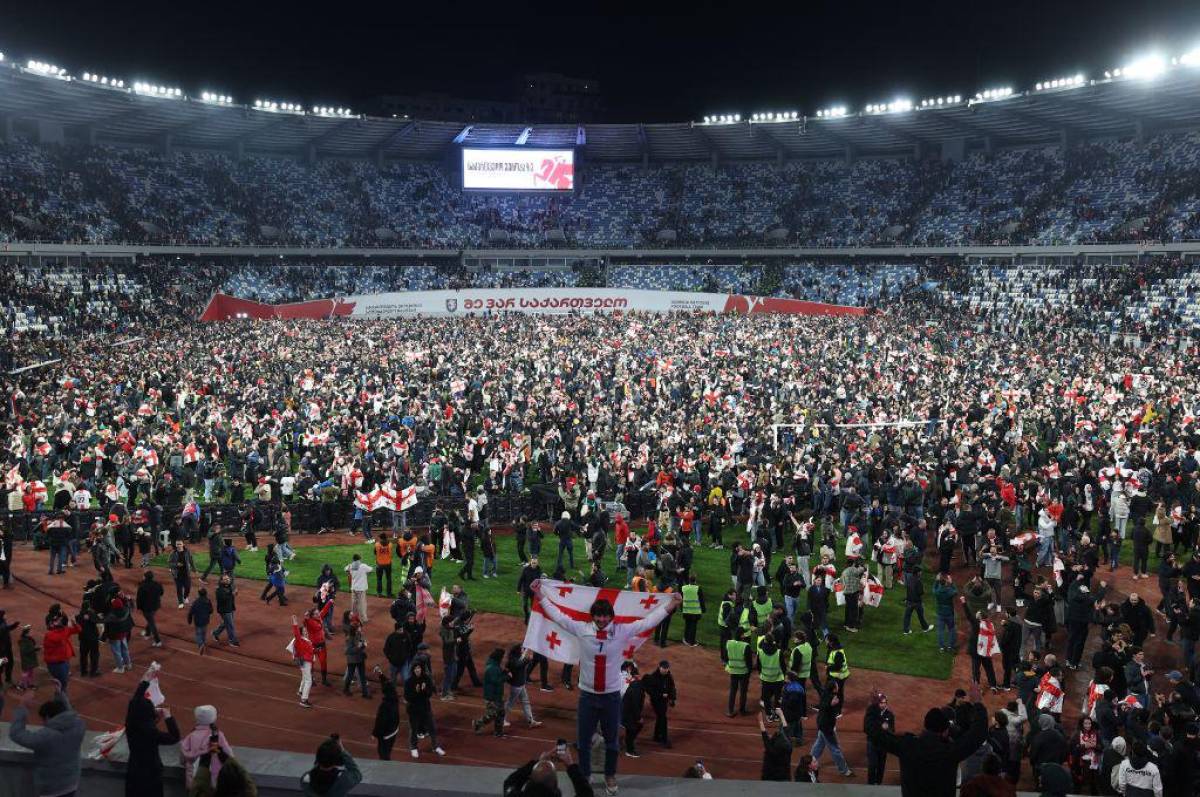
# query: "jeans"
569,547
947,634
1045,554
227,626
59,553
604,709
284,551
1035,633
489,566
151,626
824,741
120,651
450,670
201,635
61,671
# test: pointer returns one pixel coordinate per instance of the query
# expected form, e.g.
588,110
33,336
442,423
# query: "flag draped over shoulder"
545,636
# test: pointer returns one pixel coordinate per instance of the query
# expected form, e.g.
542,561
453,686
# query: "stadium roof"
1084,109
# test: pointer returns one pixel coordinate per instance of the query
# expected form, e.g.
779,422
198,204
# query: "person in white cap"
199,741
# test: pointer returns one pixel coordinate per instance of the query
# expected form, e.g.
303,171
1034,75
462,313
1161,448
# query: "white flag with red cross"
407,498
192,453
444,603
545,636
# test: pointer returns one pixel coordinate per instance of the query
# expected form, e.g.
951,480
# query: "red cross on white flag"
575,601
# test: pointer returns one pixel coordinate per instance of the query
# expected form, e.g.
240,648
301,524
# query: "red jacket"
57,647
622,530
315,626
304,648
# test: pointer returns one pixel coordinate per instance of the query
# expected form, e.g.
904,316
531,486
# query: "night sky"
651,68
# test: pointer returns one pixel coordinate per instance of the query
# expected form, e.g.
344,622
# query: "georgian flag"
192,454
458,386
545,636
145,410
315,438
99,451
39,490
42,447
468,450
1084,425
986,646
13,480
408,497
444,603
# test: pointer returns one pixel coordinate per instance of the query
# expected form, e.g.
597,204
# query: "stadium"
846,431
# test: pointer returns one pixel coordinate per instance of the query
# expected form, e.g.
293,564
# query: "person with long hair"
418,695
1085,753
143,772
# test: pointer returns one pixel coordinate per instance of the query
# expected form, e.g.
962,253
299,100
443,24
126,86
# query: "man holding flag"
599,639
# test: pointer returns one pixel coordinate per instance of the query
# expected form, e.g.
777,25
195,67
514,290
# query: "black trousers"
214,563
738,684
5,573
183,589
660,633
384,746
521,549
380,571
770,695
525,607
151,626
876,760
660,720
919,608
466,664
351,669
89,656
690,621
468,568
632,729
1077,633
988,667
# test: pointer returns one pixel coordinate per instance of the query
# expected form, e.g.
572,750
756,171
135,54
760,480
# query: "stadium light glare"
1191,58
1147,67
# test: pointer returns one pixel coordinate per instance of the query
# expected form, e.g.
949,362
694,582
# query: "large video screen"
518,169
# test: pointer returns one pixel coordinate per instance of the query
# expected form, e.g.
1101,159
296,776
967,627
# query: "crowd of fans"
1092,192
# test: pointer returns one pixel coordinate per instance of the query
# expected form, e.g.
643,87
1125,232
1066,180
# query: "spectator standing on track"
633,702
226,608
148,601
418,697
387,716
828,712
356,659
660,689
182,569
89,642
199,615
383,564
777,750
692,610
302,651
360,573
517,669
57,650
878,718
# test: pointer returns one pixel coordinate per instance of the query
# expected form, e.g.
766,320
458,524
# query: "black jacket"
929,762
144,769
632,703
659,688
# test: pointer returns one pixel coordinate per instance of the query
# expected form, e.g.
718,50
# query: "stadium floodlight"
1187,59
48,70
152,90
216,99
92,77
1147,67
1,56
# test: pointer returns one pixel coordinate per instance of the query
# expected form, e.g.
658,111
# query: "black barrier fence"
310,516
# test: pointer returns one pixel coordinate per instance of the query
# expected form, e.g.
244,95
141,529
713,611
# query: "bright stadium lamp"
1147,67
1191,58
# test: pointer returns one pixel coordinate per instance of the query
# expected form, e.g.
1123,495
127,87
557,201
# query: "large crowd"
1110,191
1018,450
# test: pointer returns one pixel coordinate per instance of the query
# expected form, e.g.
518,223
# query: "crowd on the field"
1016,450
1097,192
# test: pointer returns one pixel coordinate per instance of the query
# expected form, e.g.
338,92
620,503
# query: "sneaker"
610,788
157,644
546,688
438,750
119,670
507,724
631,755
928,629
180,606
413,752
305,703
906,633
536,724
234,645
849,773
216,637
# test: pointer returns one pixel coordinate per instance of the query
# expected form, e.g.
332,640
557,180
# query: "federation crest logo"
451,305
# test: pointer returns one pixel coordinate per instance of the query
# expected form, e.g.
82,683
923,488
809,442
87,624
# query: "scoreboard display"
518,169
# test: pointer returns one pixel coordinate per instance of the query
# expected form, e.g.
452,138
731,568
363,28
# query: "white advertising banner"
514,300
528,300
518,169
